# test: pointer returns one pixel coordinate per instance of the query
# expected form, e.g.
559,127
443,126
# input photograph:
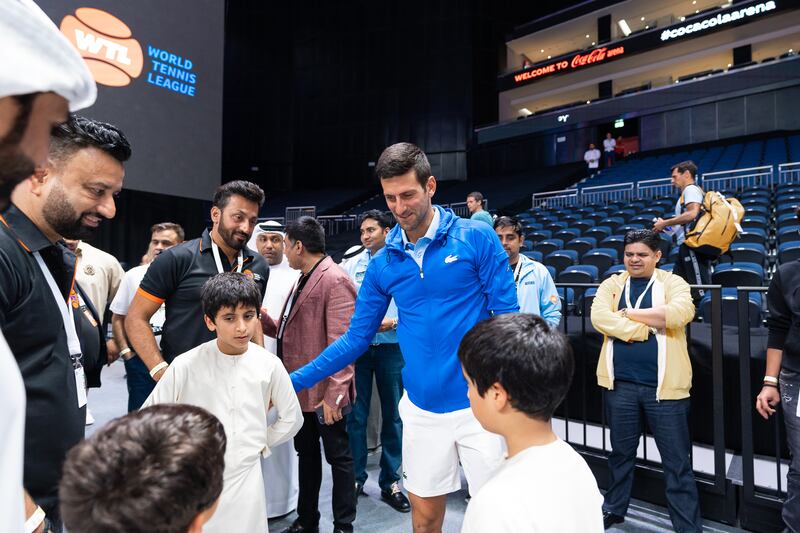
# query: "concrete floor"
111,399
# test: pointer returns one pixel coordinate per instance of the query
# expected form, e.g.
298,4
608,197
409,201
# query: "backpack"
717,225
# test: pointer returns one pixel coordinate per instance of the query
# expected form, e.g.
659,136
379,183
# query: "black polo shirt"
32,325
176,278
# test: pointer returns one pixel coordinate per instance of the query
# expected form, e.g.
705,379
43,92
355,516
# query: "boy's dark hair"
246,189
383,219
648,237
161,465
400,158
169,226
509,222
79,132
684,166
229,289
530,360
308,231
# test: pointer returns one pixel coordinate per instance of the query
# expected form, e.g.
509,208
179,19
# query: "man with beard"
445,274
67,197
177,275
41,76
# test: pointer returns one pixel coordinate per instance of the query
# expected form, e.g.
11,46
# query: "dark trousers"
694,275
790,388
610,157
337,453
140,384
385,362
669,422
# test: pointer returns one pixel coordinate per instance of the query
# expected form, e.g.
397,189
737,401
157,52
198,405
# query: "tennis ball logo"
105,43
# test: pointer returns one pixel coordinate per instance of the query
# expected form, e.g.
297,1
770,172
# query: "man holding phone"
316,313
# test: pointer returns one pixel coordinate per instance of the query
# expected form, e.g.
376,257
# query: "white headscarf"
35,57
270,226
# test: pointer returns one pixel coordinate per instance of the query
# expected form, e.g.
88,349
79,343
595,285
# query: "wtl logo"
106,44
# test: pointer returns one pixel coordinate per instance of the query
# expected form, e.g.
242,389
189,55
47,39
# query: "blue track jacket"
465,278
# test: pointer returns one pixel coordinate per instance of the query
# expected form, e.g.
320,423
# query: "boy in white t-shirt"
519,370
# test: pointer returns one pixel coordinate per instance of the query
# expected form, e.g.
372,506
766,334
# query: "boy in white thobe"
236,381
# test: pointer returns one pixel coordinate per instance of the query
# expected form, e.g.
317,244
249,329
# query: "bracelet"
126,351
625,312
35,520
768,384
770,379
156,369
394,324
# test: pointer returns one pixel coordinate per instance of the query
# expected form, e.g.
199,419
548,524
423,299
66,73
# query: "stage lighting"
623,25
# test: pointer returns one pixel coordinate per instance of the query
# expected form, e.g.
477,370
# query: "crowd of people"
247,346
613,150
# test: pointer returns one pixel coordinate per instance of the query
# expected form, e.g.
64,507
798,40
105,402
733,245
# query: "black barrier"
759,506
721,498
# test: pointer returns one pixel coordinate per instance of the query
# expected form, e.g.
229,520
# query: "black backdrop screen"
159,71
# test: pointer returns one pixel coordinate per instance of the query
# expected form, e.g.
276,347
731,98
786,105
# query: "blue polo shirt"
637,362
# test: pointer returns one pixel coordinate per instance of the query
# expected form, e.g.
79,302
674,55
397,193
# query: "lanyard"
517,271
73,341
641,296
288,309
218,261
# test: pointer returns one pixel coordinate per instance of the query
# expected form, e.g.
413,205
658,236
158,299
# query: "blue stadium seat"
758,193
602,258
738,275
612,222
788,233
561,259
549,246
754,200
748,252
584,225
652,212
579,274
586,301
629,227
789,251
567,234
730,310
786,219
614,269
756,235
540,235
598,232
667,266
755,209
527,245
536,256
597,217
551,270
644,220
789,207
555,226
567,300
673,254
754,221
571,218
581,245
617,242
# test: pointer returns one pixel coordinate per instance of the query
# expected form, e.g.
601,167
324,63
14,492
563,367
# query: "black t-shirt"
176,278
783,299
32,325
637,361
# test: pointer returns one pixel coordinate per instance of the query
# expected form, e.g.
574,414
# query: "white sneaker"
89,417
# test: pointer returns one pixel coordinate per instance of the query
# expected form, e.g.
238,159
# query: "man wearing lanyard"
644,363
536,291
316,313
383,362
37,287
177,275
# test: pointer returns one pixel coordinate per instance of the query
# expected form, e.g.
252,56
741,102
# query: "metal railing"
789,172
461,209
738,179
605,194
293,213
581,419
335,224
655,188
563,198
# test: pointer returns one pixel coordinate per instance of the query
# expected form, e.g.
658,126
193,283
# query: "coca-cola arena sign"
598,55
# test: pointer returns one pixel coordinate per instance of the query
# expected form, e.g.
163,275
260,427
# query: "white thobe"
12,429
280,469
237,389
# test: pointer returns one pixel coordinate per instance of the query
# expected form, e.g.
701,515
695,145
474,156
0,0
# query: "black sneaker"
360,489
609,519
395,497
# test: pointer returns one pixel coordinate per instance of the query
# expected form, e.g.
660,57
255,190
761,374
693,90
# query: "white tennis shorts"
435,443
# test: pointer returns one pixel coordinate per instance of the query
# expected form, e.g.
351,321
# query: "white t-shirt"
592,158
544,489
609,145
12,430
691,194
126,292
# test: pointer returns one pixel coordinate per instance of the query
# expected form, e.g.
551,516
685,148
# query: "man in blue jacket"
445,275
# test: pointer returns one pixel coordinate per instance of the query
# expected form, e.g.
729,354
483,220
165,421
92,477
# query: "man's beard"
14,168
61,216
228,237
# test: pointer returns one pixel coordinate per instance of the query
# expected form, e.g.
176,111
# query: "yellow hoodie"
674,366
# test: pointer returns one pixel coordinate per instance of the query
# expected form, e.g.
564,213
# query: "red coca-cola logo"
596,56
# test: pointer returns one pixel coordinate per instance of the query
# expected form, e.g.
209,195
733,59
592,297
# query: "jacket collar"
27,234
394,240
